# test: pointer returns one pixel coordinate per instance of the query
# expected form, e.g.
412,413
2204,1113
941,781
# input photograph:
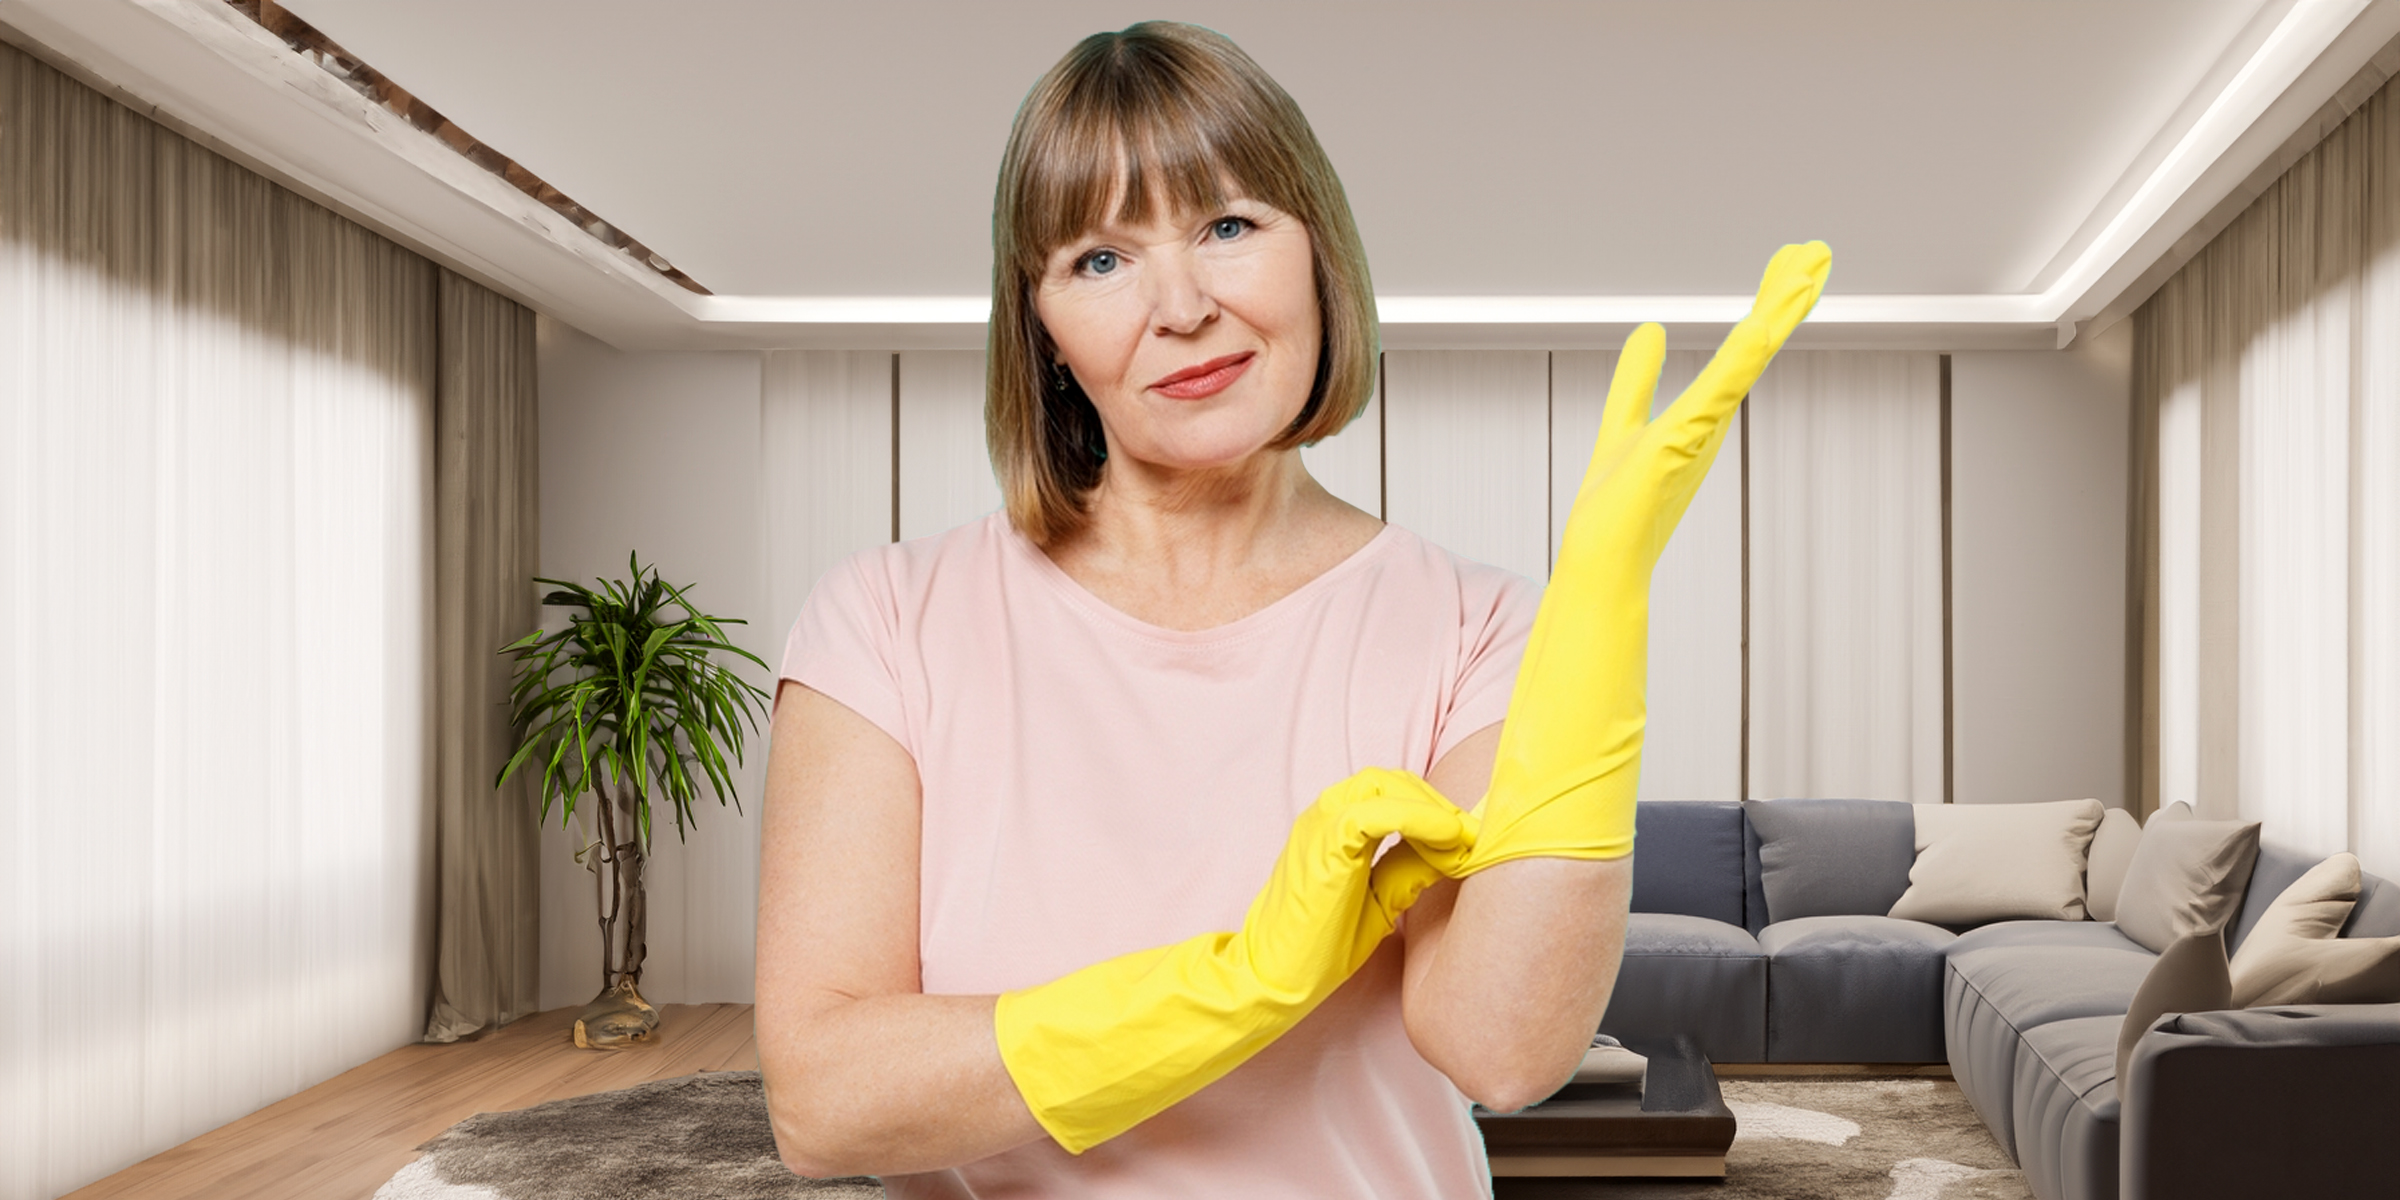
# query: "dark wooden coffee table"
1677,1125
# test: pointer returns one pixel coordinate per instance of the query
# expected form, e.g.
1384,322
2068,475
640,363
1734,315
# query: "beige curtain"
487,549
2269,394
219,692
216,470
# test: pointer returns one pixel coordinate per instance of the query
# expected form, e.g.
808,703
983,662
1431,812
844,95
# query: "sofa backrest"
1819,858
2377,913
1688,859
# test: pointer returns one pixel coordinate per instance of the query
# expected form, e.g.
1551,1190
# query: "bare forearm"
1510,971
889,1085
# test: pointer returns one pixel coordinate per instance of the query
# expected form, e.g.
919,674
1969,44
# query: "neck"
1195,523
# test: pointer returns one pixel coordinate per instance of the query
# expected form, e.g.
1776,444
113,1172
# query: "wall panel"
659,453
1467,453
825,454
1350,463
2038,522
945,471
1846,577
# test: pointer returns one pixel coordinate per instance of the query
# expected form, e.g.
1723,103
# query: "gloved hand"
1570,751
1097,1052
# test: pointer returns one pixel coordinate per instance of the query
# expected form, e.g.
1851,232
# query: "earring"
1059,377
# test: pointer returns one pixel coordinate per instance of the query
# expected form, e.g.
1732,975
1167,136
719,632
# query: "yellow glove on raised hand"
1101,1050
1570,751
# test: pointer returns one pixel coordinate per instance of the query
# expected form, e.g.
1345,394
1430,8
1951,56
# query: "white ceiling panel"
1652,147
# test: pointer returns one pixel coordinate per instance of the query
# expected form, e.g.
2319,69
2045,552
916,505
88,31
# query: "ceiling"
1970,161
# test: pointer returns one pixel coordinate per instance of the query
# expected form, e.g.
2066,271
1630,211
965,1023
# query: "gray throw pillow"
2295,956
2112,852
1832,858
2191,976
2186,877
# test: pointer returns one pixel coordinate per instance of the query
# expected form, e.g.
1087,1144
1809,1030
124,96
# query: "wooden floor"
342,1138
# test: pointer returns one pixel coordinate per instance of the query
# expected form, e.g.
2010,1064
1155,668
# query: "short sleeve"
846,645
1496,611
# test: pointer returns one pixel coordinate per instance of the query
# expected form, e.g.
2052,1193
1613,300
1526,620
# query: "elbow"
1510,1078
1507,1091
811,1140
807,1152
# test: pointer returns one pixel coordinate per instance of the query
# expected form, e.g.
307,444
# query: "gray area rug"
706,1136
696,1137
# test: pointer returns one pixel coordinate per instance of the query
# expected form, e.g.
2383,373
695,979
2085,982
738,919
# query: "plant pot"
615,1019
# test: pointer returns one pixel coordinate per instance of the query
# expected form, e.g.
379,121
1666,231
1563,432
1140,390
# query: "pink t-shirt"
1094,785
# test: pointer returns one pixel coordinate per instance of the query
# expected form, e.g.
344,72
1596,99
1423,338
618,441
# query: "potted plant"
626,704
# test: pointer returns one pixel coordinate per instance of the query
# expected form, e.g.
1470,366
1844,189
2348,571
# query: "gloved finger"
1421,816
1630,393
1795,278
1401,877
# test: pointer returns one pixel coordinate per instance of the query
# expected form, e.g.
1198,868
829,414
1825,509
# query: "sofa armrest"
2294,1100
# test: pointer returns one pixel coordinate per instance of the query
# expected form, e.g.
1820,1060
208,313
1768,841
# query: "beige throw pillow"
2104,873
2294,956
2190,977
2186,877
1997,862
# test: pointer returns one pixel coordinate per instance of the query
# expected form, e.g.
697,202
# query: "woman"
1038,747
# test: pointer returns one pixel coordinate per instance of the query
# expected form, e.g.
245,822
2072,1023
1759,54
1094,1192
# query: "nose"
1181,302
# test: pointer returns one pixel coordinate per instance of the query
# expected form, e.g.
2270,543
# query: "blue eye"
1098,262
1228,228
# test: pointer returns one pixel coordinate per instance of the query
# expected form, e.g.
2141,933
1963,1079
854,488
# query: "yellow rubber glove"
1103,1049
1571,749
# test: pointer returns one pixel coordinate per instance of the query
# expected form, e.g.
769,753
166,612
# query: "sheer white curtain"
1846,576
2270,368
216,416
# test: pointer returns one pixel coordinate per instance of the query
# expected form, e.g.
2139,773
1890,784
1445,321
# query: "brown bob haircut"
1161,117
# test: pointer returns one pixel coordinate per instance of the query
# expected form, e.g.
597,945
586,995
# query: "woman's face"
1196,335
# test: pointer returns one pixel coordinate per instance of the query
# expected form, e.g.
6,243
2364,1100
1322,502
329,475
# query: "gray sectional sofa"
1759,930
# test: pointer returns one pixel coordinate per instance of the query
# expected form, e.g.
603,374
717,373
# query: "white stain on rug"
419,1181
1758,1119
1924,1178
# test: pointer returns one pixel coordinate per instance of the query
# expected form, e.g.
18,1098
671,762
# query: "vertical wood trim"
1949,673
1744,416
1552,524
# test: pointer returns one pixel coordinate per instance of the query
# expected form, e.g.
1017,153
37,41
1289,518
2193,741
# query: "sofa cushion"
2190,977
1857,989
2045,977
2293,956
1997,862
2272,873
1820,858
1688,859
2041,933
1983,1056
1693,976
2186,877
2104,867
2378,911
2064,1109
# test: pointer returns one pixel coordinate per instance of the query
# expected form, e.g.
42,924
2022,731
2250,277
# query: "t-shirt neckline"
1082,599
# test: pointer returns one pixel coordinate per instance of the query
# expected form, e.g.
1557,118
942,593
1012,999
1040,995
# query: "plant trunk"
618,1016
632,864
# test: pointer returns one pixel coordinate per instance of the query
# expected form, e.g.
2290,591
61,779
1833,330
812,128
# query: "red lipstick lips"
1206,379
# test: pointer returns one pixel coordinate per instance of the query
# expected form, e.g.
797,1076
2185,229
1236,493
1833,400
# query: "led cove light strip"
2304,34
